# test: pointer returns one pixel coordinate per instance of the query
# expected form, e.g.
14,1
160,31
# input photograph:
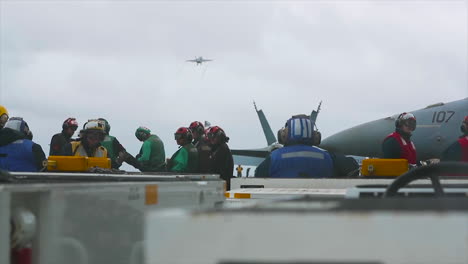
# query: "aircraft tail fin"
270,137
314,114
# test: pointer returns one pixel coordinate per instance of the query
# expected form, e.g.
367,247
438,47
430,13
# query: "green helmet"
142,133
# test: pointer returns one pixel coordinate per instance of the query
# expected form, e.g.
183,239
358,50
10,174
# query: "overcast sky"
125,61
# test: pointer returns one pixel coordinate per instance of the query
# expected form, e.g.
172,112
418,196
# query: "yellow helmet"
3,116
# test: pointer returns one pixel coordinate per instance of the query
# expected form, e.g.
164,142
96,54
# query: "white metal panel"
330,183
286,237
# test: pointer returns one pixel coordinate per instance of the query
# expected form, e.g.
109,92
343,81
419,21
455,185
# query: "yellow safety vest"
78,150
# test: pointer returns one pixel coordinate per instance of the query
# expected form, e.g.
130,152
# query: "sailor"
458,151
151,156
90,143
185,159
3,116
398,145
221,156
115,150
239,170
203,147
59,140
298,158
17,150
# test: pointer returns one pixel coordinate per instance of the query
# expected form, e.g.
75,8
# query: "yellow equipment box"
383,167
76,163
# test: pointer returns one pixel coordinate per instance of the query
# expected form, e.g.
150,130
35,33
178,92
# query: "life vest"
108,143
408,150
464,148
18,156
300,161
79,150
192,157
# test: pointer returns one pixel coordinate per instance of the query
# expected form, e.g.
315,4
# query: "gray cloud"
126,61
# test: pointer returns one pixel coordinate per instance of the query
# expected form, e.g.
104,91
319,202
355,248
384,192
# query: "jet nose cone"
362,140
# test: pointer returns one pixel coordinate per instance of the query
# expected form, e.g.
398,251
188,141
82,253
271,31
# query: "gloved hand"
121,157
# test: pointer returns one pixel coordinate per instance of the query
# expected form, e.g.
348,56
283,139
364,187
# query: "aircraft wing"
259,153
192,60
249,157
206,60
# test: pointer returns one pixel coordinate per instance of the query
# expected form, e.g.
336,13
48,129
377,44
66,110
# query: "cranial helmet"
407,119
3,116
299,130
464,125
217,132
107,125
142,133
70,122
183,133
197,127
18,124
94,125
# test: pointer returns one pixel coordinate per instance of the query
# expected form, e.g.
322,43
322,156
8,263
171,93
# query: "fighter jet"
199,60
254,157
438,125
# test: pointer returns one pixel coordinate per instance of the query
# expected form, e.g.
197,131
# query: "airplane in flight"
199,60
438,126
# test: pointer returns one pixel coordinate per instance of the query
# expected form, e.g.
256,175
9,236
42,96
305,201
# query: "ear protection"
197,127
217,132
405,117
184,133
398,120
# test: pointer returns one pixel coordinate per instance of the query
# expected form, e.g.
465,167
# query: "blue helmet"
300,130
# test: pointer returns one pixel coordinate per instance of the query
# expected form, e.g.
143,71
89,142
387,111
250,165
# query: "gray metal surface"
99,222
242,183
313,232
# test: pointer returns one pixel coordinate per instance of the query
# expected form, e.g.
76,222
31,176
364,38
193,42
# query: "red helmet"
70,122
184,133
217,132
197,127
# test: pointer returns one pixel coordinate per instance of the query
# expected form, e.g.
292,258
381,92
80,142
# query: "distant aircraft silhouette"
199,60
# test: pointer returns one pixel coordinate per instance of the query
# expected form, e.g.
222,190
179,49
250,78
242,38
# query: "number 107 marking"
442,116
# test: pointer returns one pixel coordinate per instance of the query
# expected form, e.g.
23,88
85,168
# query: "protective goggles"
410,123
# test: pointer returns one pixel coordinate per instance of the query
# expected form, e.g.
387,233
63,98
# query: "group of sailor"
202,150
